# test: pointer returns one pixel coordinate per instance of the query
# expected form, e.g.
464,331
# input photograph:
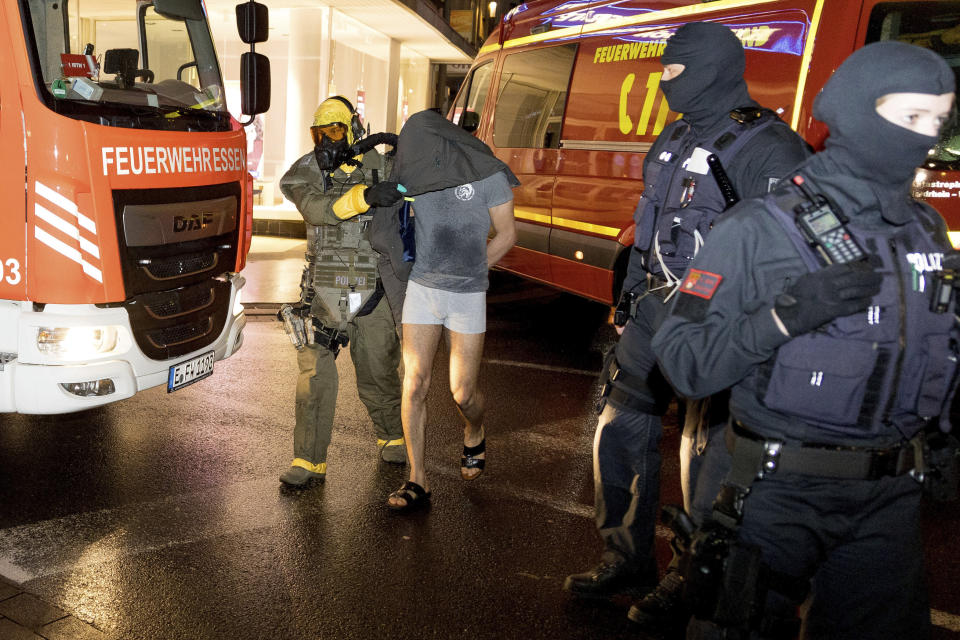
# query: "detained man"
460,192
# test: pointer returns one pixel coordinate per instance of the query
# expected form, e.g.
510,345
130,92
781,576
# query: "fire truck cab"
127,202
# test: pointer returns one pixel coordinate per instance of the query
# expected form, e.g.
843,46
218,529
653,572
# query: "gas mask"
331,147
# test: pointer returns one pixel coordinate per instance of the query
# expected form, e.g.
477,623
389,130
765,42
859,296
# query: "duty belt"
769,456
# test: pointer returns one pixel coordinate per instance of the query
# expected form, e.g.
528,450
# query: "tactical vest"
880,374
681,198
340,278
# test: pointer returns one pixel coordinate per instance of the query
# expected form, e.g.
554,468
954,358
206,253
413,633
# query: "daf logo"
194,222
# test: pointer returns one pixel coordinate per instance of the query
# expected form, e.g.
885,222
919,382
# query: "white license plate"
190,371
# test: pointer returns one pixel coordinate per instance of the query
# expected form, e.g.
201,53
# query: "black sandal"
469,460
414,497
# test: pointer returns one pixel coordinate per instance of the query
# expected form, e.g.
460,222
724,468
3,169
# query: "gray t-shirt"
452,226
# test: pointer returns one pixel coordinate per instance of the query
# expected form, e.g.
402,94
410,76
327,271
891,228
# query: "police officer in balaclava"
342,299
703,80
842,359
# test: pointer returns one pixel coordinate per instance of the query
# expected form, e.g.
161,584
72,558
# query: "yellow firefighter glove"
352,203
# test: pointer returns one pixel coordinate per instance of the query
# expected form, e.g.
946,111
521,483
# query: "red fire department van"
128,205
566,92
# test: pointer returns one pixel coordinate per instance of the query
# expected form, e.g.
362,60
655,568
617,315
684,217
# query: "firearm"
674,517
730,196
298,329
724,579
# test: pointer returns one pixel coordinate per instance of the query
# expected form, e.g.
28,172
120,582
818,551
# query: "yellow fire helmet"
332,110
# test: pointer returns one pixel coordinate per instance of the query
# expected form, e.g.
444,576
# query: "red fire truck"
566,92
128,204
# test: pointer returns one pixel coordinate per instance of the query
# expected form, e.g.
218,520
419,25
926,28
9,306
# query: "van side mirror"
254,83
470,121
252,22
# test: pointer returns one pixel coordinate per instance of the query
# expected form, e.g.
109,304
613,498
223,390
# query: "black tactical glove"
832,292
382,194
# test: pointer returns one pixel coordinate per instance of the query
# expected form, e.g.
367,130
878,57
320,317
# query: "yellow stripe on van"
586,226
805,63
526,214
653,16
569,32
488,48
523,214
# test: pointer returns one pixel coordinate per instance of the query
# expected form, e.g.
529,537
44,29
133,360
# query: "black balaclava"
712,83
434,153
862,142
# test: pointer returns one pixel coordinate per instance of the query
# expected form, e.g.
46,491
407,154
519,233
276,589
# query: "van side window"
474,92
532,96
936,26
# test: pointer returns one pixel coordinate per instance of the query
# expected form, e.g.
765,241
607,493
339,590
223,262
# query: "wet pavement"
160,517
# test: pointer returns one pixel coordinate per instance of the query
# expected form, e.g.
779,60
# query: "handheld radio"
823,227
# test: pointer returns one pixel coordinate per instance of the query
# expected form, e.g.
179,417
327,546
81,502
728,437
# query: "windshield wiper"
176,112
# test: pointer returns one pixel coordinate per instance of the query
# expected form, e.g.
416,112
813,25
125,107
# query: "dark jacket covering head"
434,154
862,141
712,83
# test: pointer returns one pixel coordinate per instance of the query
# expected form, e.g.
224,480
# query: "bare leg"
466,350
419,348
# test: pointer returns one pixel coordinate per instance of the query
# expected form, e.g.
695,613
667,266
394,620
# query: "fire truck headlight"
77,343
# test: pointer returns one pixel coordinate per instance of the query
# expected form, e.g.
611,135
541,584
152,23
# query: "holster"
329,337
628,390
626,308
940,475
609,365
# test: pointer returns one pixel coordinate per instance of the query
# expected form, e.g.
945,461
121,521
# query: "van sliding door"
616,111
530,103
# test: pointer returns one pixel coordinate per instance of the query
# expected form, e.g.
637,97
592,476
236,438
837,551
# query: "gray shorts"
460,312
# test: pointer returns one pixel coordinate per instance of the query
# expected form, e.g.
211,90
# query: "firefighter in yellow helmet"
342,300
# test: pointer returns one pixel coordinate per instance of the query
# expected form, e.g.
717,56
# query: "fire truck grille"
180,266
168,324
175,245
170,304
172,238
179,334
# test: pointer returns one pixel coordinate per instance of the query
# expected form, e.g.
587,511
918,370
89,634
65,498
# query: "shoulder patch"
700,283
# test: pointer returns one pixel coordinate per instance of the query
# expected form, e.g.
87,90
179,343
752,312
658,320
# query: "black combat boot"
662,612
607,579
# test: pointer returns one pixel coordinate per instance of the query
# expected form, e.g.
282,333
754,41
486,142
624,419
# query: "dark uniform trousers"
827,530
626,448
375,352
